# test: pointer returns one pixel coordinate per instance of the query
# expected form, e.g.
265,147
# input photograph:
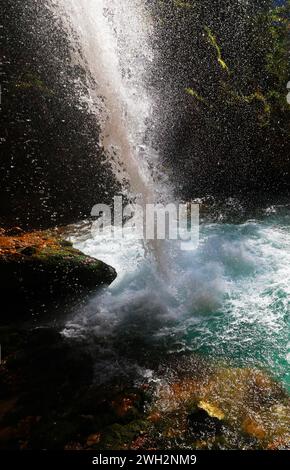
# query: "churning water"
229,299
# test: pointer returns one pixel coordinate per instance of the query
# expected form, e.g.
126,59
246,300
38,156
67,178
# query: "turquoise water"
227,300
251,323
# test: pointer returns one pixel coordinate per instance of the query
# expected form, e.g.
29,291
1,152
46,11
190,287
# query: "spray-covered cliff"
52,168
223,71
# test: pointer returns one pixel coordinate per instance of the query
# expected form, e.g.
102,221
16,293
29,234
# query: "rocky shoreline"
50,400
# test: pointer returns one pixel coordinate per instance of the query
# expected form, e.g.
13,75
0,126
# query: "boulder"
41,264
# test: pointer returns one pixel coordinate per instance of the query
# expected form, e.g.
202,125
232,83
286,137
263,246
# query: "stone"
253,428
212,410
13,231
40,264
29,251
203,424
93,439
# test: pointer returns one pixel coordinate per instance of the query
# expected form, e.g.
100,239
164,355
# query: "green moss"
30,81
181,4
51,267
119,436
213,40
277,64
195,95
257,97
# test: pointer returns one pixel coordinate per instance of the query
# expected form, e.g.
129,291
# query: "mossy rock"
40,263
117,436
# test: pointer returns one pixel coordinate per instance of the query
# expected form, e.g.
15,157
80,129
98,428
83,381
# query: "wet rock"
42,337
93,439
29,251
123,405
10,339
6,406
212,410
128,406
39,264
74,446
253,403
252,427
53,434
276,422
46,375
7,435
141,442
239,392
117,436
154,417
14,231
203,424
225,408
177,395
279,444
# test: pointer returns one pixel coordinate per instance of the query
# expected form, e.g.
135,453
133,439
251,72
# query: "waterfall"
227,299
111,41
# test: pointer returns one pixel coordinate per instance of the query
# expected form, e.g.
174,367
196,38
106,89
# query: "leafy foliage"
228,106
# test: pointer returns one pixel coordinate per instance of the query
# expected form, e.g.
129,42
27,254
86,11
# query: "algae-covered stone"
119,436
225,408
212,410
252,427
41,263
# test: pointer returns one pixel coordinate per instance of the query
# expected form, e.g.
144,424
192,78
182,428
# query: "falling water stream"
111,40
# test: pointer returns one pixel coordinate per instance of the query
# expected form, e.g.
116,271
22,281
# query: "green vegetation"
180,4
213,40
272,28
194,94
31,81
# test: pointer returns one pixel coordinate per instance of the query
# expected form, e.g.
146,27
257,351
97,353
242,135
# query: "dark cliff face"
52,169
225,122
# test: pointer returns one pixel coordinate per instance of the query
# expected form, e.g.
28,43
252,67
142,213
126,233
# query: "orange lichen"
124,404
13,244
154,417
246,399
172,396
93,439
253,428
